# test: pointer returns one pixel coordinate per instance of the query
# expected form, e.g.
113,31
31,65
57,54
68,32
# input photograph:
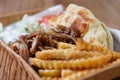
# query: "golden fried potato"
50,78
49,73
62,45
81,74
65,54
82,45
67,72
71,64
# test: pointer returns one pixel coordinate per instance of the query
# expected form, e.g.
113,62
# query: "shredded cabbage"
12,32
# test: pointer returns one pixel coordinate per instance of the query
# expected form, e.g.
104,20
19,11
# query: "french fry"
62,45
81,74
71,64
117,61
67,72
49,73
82,45
65,54
50,78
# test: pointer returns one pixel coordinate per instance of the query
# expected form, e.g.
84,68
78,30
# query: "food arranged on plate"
66,46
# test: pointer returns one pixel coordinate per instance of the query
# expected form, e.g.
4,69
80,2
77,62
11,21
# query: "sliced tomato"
46,18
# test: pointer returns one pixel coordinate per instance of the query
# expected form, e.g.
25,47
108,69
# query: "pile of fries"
71,62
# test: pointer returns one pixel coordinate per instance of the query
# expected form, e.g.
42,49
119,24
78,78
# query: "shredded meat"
28,45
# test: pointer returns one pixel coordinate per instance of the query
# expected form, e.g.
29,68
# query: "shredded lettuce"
25,26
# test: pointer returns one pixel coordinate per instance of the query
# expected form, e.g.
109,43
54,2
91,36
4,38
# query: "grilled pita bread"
93,30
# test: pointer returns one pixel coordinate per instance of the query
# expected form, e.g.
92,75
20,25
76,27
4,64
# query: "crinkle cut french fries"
62,45
73,75
82,45
50,78
66,54
49,73
73,62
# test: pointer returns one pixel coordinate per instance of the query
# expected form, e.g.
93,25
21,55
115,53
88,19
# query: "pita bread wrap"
93,30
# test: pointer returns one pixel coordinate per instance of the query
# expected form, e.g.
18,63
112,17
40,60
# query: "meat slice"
28,45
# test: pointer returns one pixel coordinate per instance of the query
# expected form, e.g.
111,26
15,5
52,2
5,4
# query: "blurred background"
107,11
